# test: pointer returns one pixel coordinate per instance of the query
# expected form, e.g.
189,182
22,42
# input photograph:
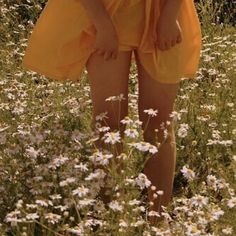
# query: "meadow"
51,171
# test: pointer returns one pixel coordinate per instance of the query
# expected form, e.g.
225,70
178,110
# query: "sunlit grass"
51,170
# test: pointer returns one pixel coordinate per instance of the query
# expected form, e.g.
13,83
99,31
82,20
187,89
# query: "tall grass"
51,170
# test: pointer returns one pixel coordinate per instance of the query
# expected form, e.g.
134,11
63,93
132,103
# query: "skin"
108,66
168,31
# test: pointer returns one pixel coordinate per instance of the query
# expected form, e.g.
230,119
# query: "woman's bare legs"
109,78
160,168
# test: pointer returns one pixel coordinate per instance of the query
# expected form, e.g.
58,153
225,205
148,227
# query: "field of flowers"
51,170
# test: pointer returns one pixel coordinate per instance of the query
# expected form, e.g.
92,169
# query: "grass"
51,170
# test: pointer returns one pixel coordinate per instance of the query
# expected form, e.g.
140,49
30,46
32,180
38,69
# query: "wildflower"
234,157
175,115
138,123
71,180
32,216
132,133
199,200
85,202
228,230
81,191
126,120
153,187
192,230
194,142
212,181
123,223
82,167
217,212
153,149
216,134
115,206
104,129
137,223
226,143
31,206
116,98
182,131
77,231
151,112
59,161
231,202
153,213
188,173
134,202
19,204
222,184
55,196
97,174
142,181
129,181
41,203
63,183
112,137
122,156
32,152
101,158
160,192
12,217
52,218
144,146
101,116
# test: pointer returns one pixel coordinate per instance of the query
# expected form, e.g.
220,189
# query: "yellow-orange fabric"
63,37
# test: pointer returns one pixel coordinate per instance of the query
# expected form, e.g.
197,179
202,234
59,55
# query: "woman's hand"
107,42
168,32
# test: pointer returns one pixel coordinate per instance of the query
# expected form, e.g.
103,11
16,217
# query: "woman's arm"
168,31
98,13
171,8
107,41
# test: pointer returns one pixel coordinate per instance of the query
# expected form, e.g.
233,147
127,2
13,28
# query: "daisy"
112,137
199,200
231,202
151,112
188,173
228,230
126,120
115,206
32,216
132,133
101,116
142,181
81,191
183,130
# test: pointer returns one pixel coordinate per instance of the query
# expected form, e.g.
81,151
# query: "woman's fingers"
107,55
114,55
179,39
173,42
165,45
98,51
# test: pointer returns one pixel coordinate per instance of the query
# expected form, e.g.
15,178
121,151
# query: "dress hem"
63,79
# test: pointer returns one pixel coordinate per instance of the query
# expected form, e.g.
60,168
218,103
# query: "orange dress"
63,37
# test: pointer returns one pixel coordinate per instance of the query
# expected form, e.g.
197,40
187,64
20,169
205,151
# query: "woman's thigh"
156,95
109,78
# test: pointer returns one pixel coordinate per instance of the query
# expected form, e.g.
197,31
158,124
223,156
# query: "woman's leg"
160,168
109,78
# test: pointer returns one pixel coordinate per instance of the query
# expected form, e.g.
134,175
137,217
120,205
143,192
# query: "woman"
164,38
